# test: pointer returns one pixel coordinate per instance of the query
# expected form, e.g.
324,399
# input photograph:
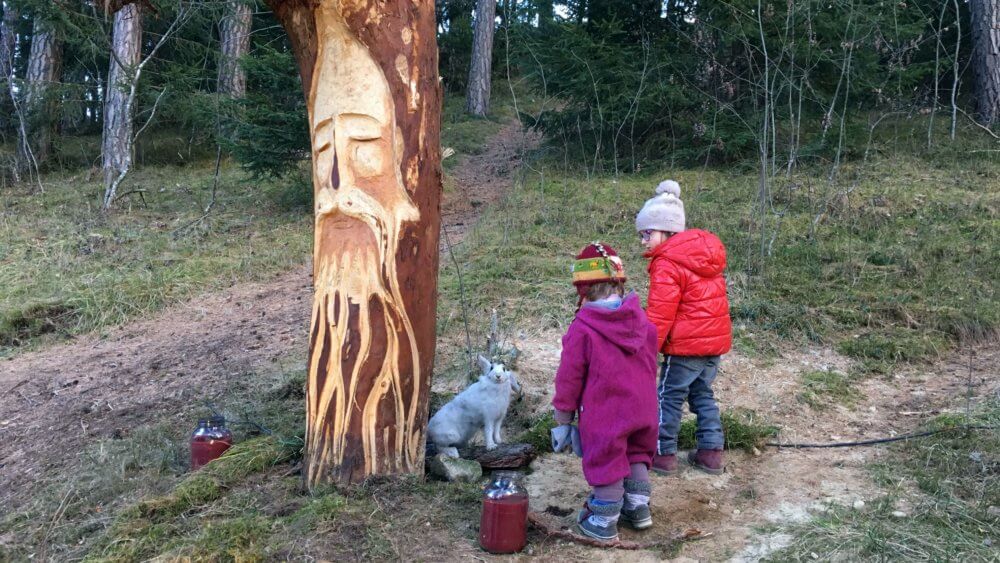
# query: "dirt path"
55,401
776,486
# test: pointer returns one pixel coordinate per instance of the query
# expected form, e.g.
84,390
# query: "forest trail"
60,398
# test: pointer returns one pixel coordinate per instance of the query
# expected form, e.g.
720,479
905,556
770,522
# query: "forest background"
847,152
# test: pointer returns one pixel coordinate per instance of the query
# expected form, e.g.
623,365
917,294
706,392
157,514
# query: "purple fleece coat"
607,373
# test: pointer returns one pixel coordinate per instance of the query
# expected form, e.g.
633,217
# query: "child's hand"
566,436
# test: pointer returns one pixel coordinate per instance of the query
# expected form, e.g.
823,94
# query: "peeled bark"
44,64
235,40
477,101
116,142
369,69
985,19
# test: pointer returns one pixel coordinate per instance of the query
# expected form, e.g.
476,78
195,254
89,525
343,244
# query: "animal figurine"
481,405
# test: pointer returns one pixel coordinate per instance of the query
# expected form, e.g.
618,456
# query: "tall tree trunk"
477,100
7,37
44,64
369,69
986,57
235,39
116,141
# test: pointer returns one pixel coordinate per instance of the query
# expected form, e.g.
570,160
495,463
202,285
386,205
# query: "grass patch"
66,268
822,388
743,429
901,253
942,494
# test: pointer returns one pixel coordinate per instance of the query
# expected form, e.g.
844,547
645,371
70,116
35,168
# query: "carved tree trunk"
116,142
477,101
7,37
44,64
369,69
986,57
235,39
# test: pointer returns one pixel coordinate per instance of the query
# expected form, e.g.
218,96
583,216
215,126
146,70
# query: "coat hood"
697,250
626,327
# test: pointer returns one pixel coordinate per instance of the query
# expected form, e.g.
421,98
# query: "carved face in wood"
361,205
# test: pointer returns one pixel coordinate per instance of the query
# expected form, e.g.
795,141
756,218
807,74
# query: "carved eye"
367,158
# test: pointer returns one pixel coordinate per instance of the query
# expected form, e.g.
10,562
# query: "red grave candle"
209,441
503,527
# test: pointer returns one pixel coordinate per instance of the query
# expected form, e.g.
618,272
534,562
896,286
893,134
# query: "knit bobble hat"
664,211
596,263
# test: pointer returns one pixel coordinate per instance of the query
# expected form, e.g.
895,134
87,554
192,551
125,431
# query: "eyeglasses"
646,235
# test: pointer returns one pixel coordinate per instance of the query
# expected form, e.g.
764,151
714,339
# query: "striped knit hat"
596,263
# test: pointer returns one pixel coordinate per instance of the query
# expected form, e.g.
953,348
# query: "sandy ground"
774,485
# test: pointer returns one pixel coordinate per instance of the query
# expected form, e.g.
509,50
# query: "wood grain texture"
370,72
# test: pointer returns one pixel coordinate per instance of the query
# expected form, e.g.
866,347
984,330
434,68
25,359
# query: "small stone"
736,512
859,504
813,555
756,452
899,514
988,542
454,468
976,457
993,511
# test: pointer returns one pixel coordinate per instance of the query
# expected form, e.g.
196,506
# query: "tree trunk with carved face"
369,70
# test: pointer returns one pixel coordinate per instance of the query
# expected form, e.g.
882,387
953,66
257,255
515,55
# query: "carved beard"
362,340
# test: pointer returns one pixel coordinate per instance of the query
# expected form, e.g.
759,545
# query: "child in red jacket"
688,304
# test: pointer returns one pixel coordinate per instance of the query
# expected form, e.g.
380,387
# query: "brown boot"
665,464
709,461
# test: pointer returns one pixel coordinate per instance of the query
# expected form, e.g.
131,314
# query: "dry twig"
548,529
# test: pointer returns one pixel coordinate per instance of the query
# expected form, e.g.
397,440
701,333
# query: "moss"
539,435
138,530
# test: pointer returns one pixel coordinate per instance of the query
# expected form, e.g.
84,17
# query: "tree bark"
477,100
7,37
44,64
116,142
986,57
235,39
369,70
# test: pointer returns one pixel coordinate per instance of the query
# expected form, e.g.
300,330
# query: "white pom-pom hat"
664,211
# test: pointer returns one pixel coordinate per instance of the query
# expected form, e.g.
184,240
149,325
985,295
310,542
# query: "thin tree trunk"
7,37
478,98
116,142
369,69
235,39
986,57
44,64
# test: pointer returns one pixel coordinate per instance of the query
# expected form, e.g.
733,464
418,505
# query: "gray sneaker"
637,494
599,520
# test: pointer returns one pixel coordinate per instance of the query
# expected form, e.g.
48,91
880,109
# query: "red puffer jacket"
687,295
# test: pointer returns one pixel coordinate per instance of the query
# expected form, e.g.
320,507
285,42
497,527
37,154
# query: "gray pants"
689,378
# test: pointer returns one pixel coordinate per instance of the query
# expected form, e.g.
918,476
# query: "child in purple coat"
607,374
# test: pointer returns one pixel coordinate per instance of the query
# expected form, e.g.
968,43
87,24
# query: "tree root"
539,522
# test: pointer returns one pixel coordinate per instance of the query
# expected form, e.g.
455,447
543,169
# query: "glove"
566,436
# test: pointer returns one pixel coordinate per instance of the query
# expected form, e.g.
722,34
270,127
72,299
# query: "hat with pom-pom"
596,263
664,211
